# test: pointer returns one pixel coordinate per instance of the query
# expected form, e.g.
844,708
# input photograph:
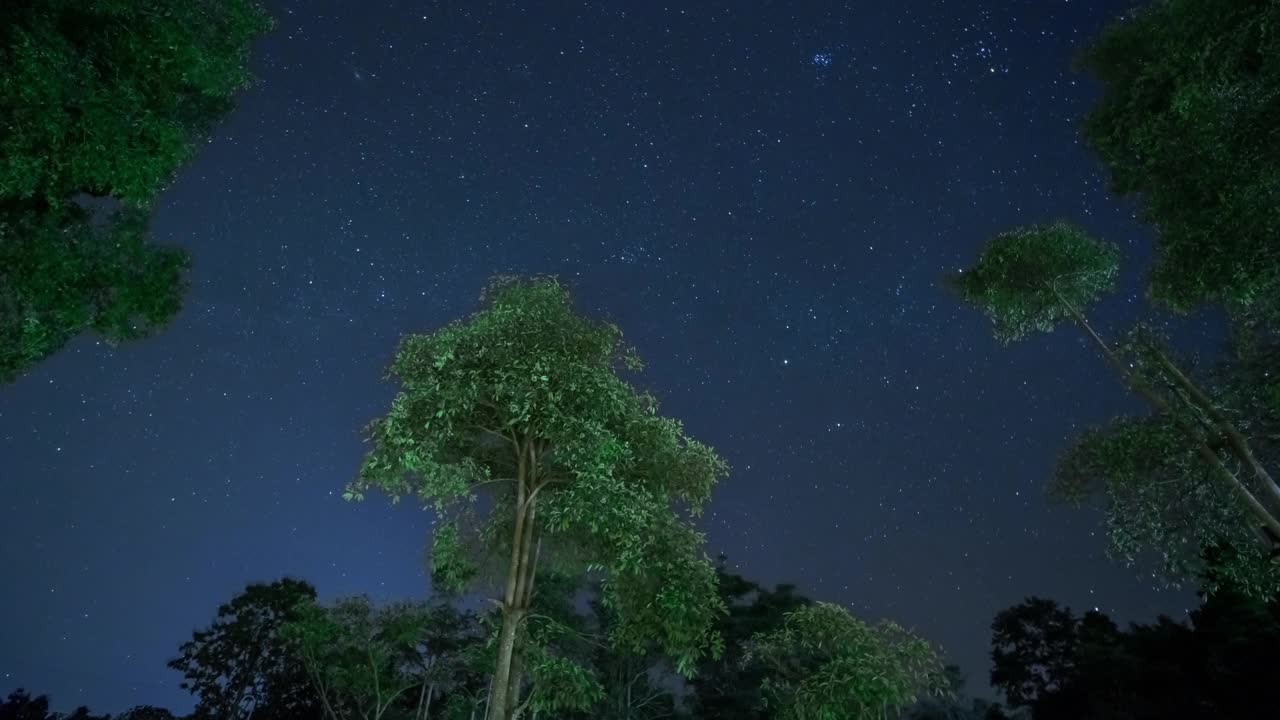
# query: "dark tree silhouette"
726,688
1221,664
241,663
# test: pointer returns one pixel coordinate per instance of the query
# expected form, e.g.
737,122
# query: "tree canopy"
101,102
1061,666
244,663
1187,122
826,664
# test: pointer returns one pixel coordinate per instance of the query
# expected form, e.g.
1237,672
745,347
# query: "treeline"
274,653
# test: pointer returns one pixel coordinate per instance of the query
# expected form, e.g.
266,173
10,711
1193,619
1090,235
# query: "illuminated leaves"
1028,279
826,664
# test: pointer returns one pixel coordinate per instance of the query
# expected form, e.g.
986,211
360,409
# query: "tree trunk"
498,703
1160,404
1236,440
513,607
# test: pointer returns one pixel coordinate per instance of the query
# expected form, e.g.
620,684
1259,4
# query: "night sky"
764,195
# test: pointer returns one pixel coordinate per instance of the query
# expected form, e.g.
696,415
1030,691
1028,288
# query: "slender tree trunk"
1142,388
513,607
426,710
1236,440
498,703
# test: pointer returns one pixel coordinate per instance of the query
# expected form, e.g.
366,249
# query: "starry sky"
764,195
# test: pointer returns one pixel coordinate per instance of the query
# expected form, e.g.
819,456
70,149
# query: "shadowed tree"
100,103
21,706
1187,123
825,664
146,712
242,664
522,402
1180,481
363,661
726,688
1059,666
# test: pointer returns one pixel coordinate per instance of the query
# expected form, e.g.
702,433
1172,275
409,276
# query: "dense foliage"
1187,122
1063,667
523,402
825,664
243,662
101,101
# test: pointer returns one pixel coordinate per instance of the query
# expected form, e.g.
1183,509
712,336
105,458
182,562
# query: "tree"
726,688
523,402
825,664
242,664
1180,481
1063,667
100,103
146,712
21,706
361,660
634,685
1186,121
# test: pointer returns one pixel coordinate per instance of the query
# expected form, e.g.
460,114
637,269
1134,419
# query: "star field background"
764,195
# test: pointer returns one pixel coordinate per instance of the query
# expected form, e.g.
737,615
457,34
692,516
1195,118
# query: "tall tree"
523,402
242,664
826,664
1181,481
101,100
1187,122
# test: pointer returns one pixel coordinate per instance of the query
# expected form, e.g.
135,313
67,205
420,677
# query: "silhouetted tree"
242,664
146,712
1220,665
21,706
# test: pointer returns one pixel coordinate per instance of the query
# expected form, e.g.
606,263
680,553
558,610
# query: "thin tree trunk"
1235,439
502,676
512,609
1143,389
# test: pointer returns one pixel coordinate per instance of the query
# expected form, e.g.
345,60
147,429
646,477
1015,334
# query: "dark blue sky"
763,194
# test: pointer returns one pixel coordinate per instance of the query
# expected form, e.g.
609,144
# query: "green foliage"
726,688
1028,279
63,274
1163,500
244,660
103,99
526,377
107,97
363,660
825,664
1187,118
